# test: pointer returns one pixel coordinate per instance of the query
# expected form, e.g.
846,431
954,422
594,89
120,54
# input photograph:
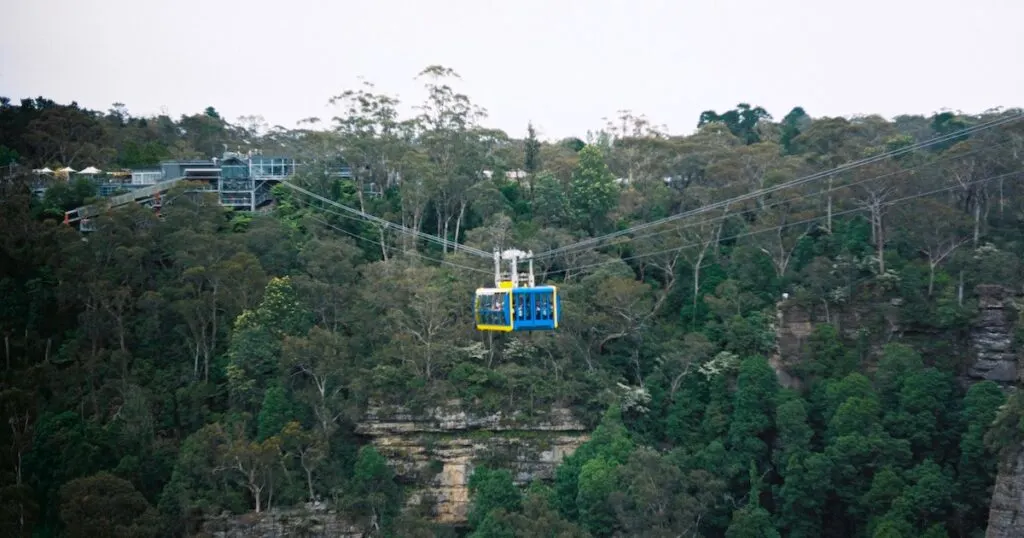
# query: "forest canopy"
173,365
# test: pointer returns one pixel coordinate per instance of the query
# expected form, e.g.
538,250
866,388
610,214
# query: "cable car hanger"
515,303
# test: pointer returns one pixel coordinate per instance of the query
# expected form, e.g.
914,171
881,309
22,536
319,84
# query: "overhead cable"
390,225
789,184
796,223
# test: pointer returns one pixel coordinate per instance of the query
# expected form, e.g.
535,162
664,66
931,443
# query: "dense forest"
170,367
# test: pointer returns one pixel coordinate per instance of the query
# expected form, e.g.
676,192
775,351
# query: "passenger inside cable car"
517,309
491,311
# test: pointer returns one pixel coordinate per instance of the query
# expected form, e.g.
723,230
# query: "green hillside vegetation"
167,368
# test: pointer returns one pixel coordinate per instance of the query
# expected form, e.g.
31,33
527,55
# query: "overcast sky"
564,64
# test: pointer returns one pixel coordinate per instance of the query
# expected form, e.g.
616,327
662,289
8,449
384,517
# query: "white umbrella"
65,173
90,170
43,170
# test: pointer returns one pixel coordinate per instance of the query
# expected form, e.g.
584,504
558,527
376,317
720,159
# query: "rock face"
313,522
993,354
792,327
1006,511
437,450
995,358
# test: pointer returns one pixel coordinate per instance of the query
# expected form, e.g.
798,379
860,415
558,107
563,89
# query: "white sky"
564,64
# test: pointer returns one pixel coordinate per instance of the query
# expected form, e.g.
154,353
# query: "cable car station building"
242,181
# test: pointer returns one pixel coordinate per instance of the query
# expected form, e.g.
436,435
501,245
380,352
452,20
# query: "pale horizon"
562,65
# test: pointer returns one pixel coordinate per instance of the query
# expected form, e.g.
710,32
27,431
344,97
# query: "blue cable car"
517,309
515,303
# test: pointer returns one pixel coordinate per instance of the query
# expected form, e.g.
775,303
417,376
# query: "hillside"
799,327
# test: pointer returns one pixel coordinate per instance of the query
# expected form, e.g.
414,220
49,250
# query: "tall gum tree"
448,125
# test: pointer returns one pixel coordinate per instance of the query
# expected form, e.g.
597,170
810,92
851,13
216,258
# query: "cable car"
515,304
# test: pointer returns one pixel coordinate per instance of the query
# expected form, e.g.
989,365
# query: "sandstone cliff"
991,352
436,451
793,325
309,522
1006,510
995,356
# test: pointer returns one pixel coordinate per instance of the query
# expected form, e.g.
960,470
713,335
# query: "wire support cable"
391,225
756,210
789,184
790,224
378,243
413,252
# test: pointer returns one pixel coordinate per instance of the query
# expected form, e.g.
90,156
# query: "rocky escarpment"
997,358
793,326
437,450
1006,511
312,522
992,336
991,354
435,453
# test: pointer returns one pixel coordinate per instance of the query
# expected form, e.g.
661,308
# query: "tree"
373,495
311,449
253,353
976,469
322,358
592,191
795,122
934,229
20,413
209,291
66,136
752,427
492,489
609,441
448,121
370,132
532,161
253,462
874,195
274,413
742,121
105,505
656,498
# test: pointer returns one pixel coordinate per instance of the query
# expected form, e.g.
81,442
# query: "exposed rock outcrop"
792,328
1006,511
993,354
312,522
438,449
992,336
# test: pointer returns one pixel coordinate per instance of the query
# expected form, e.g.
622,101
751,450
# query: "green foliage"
275,412
751,521
829,356
609,443
490,490
372,495
742,121
752,423
592,191
976,470
792,124
757,375
531,159
596,483
104,505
